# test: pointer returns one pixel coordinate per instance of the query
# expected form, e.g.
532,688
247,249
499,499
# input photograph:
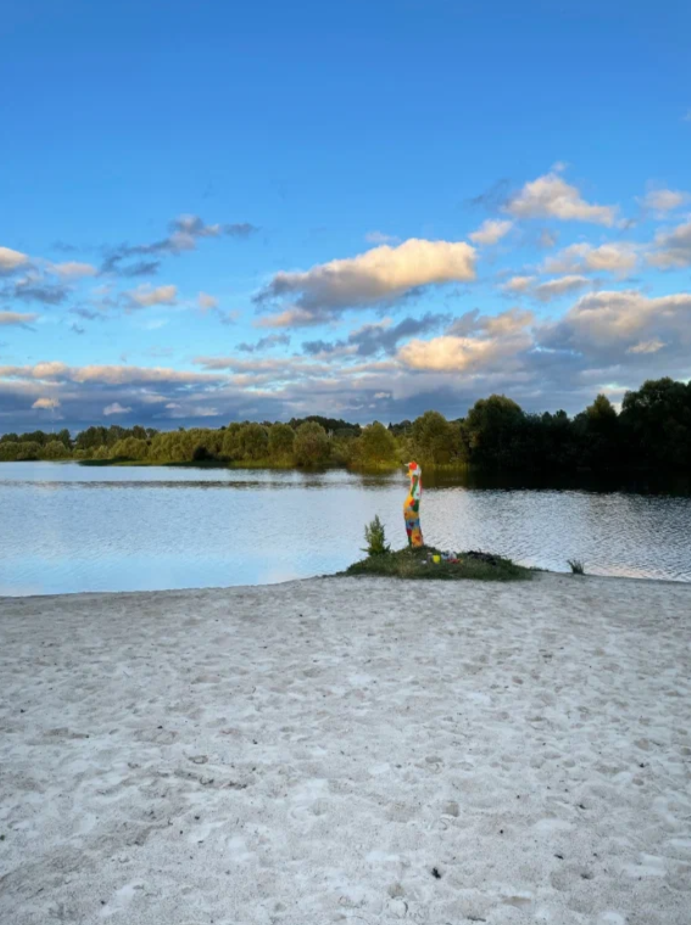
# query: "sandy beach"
341,750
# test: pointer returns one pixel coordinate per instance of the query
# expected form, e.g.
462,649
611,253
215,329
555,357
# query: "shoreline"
339,576
312,751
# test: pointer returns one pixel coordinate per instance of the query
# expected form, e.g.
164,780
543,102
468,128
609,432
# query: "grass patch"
417,564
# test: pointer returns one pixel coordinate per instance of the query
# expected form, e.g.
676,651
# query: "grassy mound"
418,564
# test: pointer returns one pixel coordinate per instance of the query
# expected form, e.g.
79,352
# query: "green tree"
91,438
434,440
65,438
656,421
254,442
311,447
597,429
231,441
9,450
29,449
281,440
491,427
55,449
130,448
376,446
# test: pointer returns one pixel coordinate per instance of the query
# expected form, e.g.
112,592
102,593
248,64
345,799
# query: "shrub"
577,567
375,537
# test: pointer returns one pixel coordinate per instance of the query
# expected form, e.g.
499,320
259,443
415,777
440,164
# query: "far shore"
340,749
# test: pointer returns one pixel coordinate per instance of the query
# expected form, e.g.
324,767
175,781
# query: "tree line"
653,430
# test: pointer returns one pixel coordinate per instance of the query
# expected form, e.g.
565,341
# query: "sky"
217,211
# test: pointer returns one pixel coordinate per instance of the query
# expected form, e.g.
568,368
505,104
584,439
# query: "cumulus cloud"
16,318
491,231
46,403
473,342
383,274
550,196
72,269
672,249
115,408
627,321
450,353
620,258
664,200
145,296
556,288
11,260
513,321
206,301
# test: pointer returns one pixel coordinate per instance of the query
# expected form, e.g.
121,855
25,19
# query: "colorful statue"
411,508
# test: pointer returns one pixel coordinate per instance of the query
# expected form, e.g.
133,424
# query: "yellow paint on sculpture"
411,508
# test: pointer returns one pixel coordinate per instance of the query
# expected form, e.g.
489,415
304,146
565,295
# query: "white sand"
306,753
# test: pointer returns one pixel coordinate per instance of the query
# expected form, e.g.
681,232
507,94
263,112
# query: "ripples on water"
66,527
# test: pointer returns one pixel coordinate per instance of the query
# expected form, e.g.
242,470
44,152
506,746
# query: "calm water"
65,527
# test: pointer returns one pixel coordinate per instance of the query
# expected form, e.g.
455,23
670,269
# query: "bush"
577,567
375,537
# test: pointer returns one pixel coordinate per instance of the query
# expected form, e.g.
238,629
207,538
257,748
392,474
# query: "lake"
67,528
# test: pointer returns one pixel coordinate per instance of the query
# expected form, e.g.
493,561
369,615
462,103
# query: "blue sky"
216,211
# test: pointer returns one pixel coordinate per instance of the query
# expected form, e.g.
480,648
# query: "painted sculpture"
411,508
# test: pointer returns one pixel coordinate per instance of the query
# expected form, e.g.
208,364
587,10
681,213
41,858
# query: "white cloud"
115,408
73,270
556,288
519,284
7,318
11,260
382,274
447,353
550,196
673,248
512,321
491,231
647,346
206,301
664,200
627,319
584,258
379,237
56,371
46,403
144,296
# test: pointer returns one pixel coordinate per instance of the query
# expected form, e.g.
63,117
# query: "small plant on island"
577,567
375,537
426,562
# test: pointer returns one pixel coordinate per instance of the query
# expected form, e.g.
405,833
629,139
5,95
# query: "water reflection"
69,528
